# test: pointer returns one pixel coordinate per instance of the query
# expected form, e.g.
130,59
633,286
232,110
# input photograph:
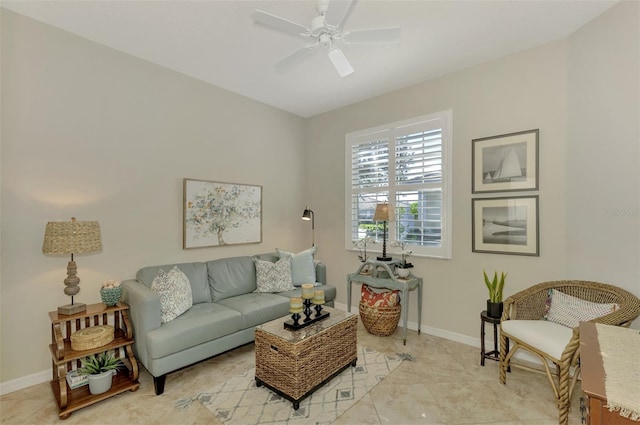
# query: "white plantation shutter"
405,163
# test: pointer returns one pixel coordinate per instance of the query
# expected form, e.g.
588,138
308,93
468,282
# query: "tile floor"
444,385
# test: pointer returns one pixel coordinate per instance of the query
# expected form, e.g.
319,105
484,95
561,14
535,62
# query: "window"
407,164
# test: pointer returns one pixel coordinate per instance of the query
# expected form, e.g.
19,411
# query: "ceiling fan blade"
340,62
295,58
380,35
279,23
338,11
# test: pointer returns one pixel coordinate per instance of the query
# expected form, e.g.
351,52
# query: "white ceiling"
217,42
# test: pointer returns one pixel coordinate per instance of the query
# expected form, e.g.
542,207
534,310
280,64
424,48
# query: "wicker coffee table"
296,363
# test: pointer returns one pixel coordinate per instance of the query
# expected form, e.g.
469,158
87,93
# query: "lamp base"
384,259
72,308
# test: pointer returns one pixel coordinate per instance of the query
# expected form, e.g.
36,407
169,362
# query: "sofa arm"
144,312
321,272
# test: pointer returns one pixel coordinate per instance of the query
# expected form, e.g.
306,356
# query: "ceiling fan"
325,30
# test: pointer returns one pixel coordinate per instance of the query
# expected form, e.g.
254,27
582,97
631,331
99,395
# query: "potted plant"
402,268
495,286
361,244
100,368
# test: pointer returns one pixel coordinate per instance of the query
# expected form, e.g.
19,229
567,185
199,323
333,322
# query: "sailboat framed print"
506,225
504,163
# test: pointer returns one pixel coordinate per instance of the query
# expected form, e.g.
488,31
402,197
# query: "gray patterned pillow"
175,293
274,277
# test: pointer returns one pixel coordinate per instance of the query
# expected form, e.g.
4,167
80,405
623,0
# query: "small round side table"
495,354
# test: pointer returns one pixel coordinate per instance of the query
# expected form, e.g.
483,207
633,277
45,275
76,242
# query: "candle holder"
296,319
307,309
318,309
294,323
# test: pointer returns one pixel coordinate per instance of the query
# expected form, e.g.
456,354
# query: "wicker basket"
111,296
93,337
380,321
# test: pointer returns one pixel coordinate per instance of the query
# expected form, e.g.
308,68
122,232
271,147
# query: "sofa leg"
158,383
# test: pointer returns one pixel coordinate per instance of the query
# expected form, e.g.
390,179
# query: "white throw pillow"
175,293
303,269
570,311
273,277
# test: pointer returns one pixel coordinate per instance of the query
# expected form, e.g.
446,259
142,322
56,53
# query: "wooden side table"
494,354
65,358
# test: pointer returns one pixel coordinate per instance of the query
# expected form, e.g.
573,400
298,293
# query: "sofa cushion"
202,323
569,311
175,293
232,276
273,277
303,269
548,337
195,272
257,308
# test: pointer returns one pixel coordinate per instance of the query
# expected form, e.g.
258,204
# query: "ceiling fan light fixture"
340,62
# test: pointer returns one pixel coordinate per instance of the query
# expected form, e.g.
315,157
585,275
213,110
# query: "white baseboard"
25,381
45,375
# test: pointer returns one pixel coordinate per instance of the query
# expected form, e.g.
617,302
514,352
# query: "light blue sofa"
224,314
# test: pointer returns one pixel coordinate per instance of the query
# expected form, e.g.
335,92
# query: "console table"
383,277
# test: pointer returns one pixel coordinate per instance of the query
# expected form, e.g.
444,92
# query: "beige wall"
603,179
91,132
521,92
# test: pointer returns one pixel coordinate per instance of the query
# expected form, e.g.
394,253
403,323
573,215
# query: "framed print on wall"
218,214
506,225
508,162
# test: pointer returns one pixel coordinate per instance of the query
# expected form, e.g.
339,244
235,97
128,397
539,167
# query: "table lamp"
384,213
71,237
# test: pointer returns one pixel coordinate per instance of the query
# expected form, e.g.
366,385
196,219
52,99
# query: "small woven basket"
93,337
380,321
111,296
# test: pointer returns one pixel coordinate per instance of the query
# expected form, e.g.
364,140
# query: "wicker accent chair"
529,304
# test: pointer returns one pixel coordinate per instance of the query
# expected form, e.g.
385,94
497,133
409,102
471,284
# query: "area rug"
239,402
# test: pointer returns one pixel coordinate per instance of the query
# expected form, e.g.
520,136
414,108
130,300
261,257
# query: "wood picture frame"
218,214
508,162
507,225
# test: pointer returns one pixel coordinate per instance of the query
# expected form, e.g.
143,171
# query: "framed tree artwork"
506,225
218,214
508,162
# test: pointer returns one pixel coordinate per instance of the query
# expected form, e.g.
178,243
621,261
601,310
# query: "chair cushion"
547,337
570,311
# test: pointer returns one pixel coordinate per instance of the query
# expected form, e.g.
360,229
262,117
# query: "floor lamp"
309,215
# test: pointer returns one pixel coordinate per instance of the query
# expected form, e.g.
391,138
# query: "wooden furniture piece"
494,354
593,380
296,363
383,277
529,304
65,358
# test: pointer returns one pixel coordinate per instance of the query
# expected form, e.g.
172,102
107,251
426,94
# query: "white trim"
25,382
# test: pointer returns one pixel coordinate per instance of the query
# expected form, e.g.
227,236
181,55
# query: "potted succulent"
100,368
402,268
495,286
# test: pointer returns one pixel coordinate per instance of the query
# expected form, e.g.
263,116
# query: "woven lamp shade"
72,237
384,212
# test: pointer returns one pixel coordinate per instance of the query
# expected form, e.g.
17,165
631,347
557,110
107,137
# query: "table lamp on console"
384,213
71,237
